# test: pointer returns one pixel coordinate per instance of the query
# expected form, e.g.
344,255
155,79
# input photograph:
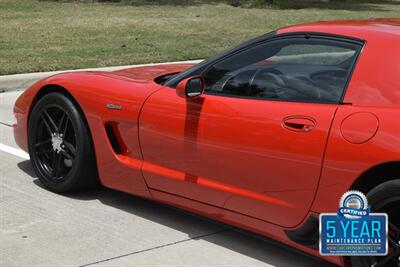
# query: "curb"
17,82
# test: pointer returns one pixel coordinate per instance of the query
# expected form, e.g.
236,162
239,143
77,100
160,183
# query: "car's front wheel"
60,145
385,198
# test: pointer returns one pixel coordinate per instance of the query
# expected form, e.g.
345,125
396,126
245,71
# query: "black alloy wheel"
60,145
385,198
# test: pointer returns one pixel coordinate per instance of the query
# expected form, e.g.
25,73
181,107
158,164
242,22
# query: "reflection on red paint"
178,175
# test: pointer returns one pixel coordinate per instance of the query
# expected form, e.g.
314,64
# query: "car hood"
149,73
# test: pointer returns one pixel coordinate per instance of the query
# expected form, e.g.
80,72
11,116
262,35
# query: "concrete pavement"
7,101
108,228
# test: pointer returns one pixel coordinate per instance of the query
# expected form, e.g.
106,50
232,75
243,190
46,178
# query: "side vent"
115,139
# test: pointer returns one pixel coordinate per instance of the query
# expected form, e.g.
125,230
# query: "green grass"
53,35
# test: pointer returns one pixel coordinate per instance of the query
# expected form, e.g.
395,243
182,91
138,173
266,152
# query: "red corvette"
265,136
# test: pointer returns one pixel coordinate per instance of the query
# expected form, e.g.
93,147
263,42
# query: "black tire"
385,198
60,145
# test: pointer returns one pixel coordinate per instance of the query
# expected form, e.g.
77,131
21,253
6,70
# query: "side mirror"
191,87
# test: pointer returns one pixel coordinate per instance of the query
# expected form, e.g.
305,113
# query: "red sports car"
264,137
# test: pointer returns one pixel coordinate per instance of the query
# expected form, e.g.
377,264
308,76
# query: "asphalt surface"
108,228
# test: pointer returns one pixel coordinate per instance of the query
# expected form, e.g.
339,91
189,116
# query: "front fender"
92,91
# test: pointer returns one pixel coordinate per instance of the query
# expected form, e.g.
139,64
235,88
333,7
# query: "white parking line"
14,151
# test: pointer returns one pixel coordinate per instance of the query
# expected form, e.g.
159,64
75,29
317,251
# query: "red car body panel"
122,172
204,152
372,89
174,155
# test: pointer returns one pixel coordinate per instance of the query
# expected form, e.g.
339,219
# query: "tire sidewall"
378,195
82,146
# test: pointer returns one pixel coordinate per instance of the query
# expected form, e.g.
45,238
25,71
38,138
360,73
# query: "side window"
296,69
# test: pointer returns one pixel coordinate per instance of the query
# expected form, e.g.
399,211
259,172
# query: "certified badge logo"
353,230
353,205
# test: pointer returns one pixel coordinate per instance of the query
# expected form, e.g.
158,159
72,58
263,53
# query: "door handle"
299,123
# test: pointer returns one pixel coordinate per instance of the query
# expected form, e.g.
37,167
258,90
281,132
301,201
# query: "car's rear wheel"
385,198
60,145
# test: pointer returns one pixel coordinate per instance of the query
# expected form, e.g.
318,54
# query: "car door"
254,142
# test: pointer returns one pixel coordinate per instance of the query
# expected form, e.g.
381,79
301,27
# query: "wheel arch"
377,175
55,88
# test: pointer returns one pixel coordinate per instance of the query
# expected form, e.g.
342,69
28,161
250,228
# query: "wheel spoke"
43,142
63,125
57,166
60,123
388,259
394,236
394,242
44,152
393,239
46,124
49,121
395,229
53,160
67,154
70,148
